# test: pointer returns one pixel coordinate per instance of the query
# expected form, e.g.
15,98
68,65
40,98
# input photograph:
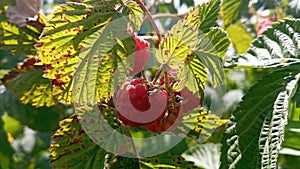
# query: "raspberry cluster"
157,107
141,104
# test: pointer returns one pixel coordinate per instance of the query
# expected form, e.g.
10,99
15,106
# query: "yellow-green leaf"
180,41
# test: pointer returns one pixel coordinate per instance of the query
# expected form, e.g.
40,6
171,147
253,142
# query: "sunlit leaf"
202,122
72,148
104,51
59,44
193,77
12,126
18,40
239,36
279,44
232,10
211,47
204,155
208,15
135,13
27,84
179,42
99,3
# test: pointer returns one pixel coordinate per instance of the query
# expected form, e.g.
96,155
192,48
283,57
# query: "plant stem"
167,81
145,9
131,141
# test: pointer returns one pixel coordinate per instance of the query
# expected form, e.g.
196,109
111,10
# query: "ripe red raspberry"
141,55
179,103
136,106
171,118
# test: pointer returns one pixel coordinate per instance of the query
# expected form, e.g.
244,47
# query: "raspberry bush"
134,84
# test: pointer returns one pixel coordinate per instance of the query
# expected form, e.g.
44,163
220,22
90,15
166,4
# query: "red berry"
141,55
137,107
179,103
171,118
263,25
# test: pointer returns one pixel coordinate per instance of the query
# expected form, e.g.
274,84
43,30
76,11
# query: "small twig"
143,75
150,18
167,15
153,5
156,76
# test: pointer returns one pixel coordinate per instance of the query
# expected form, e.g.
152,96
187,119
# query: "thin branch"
167,15
150,18
157,76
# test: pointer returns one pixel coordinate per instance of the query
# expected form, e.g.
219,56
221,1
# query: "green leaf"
232,10
104,51
12,126
201,122
18,40
193,77
292,138
255,131
72,148
239,36
99,3
8,60
59,44
272,133
6,151
42,119
294,8
208,15
27,84
176,47
211,47
166,160
124,163
204,155
218,42
209,50
135,13
280,41
279,44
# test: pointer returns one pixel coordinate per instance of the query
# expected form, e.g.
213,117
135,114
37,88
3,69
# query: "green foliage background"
38,125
